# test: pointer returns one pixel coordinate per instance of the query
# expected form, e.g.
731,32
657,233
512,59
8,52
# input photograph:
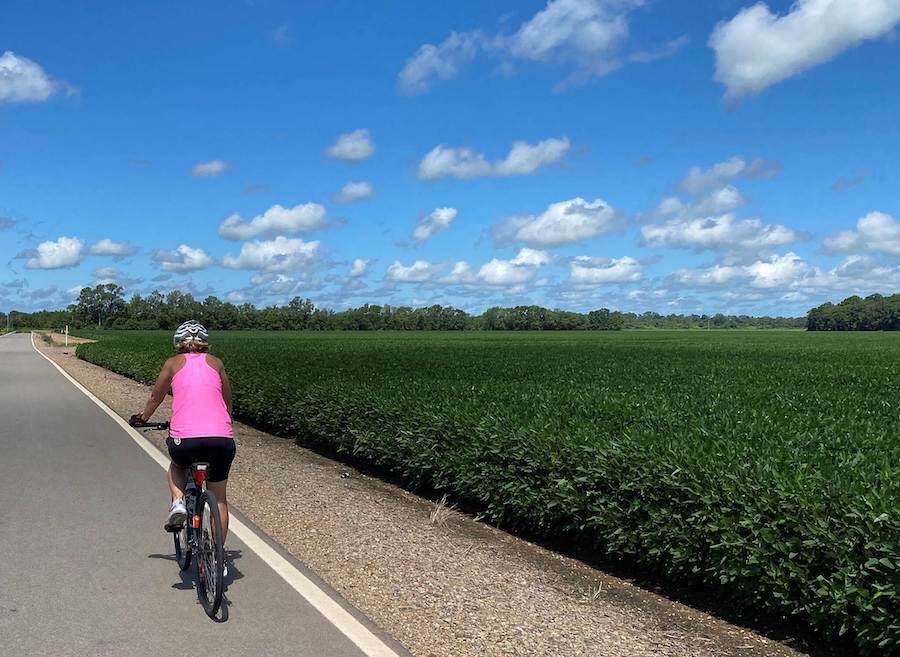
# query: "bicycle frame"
194,487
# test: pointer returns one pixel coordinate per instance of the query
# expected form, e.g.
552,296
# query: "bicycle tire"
210,557
183,550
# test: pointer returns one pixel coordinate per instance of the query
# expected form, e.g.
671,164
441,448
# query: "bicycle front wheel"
210,554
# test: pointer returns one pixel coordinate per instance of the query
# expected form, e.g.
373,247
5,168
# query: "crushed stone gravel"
440,582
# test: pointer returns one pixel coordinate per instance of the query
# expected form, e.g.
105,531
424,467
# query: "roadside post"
67,335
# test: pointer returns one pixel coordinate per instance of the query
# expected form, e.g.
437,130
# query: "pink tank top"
198,408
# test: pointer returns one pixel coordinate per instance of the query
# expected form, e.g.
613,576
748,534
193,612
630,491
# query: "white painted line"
343,620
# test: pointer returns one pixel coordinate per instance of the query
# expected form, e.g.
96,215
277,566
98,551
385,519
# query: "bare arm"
160,389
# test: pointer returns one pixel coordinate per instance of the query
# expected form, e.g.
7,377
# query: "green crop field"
763,463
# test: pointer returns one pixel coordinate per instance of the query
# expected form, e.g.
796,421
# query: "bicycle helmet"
192,331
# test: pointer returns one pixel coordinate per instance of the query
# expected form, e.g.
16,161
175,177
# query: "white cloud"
517,271
64,252
792,279
708,276
281,254
586,34
583,30
354,191
277,284
724,232
277,219
561,223
437,221
107,247
757,48
464,163
776,272
209,169
24,81
418,272
462,274
183,259
104,275
877,232
358,268
699,180
585,270
107,274
437,61
668,49
353,146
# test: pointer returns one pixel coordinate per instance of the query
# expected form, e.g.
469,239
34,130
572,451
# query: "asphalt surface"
85,567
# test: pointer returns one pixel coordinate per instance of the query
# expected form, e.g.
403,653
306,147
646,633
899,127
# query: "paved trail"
85,568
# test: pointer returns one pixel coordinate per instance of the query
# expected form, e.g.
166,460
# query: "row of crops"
764,464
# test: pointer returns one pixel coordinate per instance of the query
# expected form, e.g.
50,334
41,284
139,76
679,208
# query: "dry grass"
441,512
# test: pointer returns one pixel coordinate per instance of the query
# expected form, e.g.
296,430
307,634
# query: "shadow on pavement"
189,583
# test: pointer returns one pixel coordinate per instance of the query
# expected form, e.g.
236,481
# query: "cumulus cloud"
107,247
792,278
62,253
462,273
585,270
354,191
69,252
24,81
876,232
757,49
418,272
719,201
277,219
436,221
565,222
777,271
516,271
7,222
699,180
183,259
587,35
104,275
706,220
281,254
723,232
209,169
464,163
358,268
353,146
283,285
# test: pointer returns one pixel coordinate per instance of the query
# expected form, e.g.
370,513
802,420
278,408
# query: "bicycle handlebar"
138,423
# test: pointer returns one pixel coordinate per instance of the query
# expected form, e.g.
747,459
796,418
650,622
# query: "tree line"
874,313
105,306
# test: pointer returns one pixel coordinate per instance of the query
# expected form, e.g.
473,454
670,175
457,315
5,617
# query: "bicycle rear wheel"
210,555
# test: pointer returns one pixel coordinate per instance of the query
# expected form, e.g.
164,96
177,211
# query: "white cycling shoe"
177,516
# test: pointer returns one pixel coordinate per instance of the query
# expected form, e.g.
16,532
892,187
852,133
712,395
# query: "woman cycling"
200,427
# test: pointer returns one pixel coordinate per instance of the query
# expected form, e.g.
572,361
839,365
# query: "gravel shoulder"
435,579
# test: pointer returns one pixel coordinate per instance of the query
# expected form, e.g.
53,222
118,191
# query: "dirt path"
438,581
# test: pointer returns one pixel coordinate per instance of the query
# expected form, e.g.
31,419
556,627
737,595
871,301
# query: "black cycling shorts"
218,452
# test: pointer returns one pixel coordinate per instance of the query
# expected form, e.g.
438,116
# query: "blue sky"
716,156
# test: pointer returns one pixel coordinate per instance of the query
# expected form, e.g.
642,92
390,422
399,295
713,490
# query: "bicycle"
201,534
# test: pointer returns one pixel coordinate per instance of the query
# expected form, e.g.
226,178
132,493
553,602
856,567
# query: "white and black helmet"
192,331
